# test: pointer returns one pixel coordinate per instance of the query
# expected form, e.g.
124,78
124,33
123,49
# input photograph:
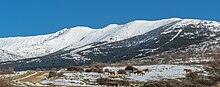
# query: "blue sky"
34,17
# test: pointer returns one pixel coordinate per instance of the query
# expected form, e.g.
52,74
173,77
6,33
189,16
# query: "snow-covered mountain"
35,46
83,45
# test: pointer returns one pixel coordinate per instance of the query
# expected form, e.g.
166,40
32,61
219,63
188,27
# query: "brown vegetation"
122,72
91,70
109,82
35,78
52,74
193,79
72,68
130,68
106,70
5,82
7,72
23,75
94,69
55,74
168,83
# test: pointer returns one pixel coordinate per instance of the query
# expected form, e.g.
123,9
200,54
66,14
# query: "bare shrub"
103,81
131,68
5,82
191,80
99,65
100,71
52,74
109,82
106,70
72,68
7,72
192,75
121,71
60,74
55,74
94,70
170,83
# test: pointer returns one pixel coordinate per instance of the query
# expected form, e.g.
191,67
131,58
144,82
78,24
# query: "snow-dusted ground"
64,82
74,79
158,72
194,60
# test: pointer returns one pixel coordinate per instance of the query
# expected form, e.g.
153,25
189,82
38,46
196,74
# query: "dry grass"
35,78
5,82
22,75
109,82
217,84
7,72
53,74
76,68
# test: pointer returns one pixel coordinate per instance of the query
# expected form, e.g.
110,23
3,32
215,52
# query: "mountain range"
84,45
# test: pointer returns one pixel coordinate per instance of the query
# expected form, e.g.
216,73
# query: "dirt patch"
36,78
22,75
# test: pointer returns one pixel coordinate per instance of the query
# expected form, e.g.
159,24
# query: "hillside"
83,45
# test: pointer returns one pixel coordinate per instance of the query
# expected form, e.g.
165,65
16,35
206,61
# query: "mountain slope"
137,39
36,46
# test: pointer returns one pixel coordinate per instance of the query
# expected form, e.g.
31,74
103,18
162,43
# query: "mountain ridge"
24,46
114,43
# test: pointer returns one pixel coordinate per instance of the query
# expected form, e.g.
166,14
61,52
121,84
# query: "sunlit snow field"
158,72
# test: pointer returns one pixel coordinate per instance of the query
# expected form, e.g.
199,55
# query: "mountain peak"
197,23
